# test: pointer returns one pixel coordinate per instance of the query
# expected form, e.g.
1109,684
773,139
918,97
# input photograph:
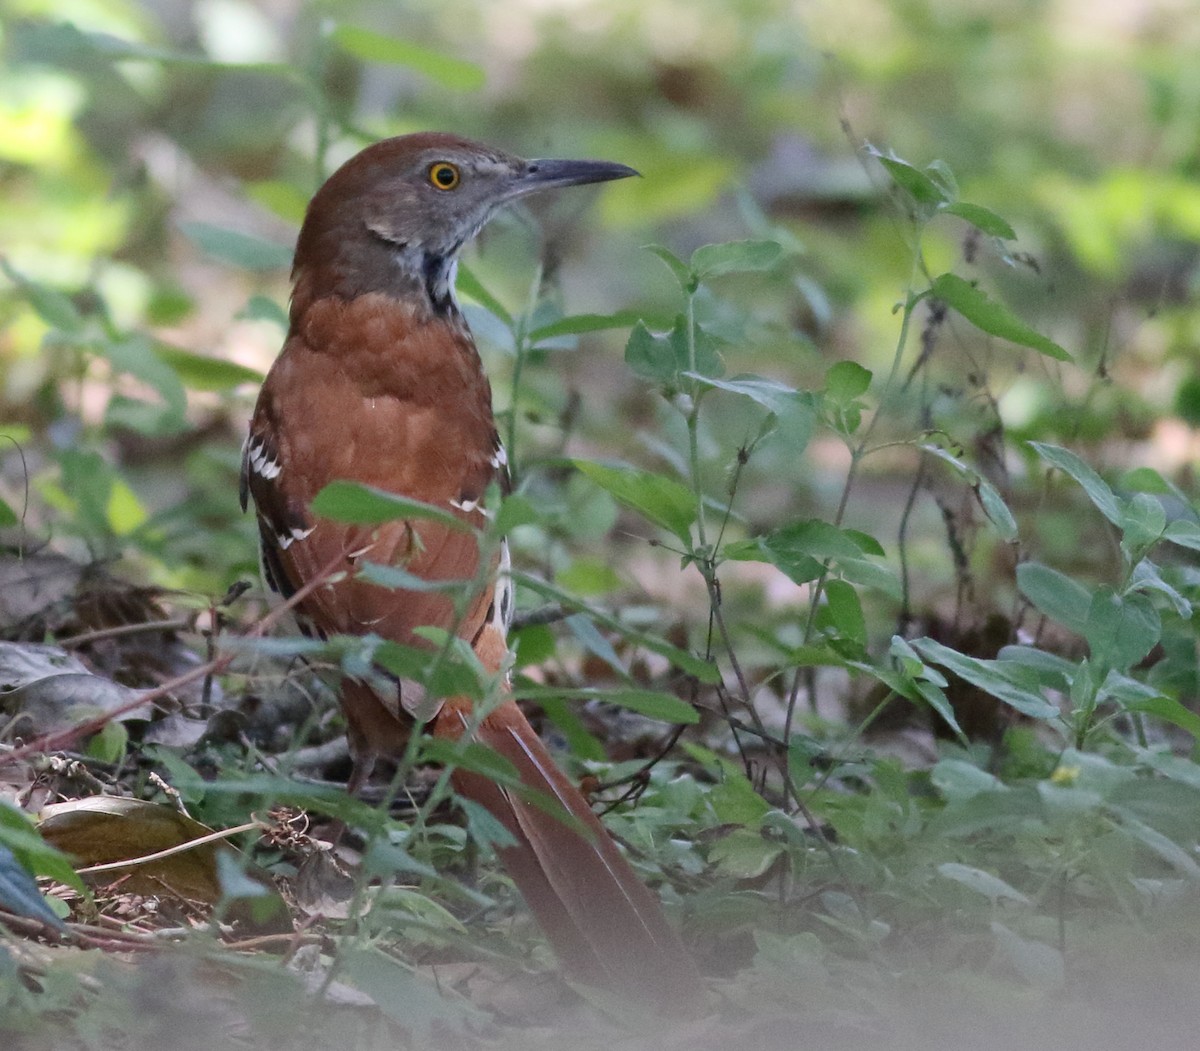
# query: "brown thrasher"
379,382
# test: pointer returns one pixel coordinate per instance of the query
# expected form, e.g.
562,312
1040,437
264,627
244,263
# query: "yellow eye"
444,175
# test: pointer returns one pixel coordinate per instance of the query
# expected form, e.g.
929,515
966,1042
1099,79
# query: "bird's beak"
552,174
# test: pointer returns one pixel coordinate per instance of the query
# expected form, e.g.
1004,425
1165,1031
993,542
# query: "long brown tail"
603,922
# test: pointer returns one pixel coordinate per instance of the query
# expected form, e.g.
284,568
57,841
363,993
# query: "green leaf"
1167,849
109,744
992,677
1184,532
1120,631
743,853
1170,711
516,510
472,756
580,324
1143,521
19,892
989,497
795,410
657,498
734,800
991,887
52,306
367,505
943,176
677,266
991,317
399,579
846,380
801,548
845,611
263,308
703,670
1041,965
138,357
32,852
582,627
983,219
203,372
456,672
450,72
650,355
1061,598
917,681
1146,577
654,704
285,199
237,248
920,186
662,358
588,577
958,780
1096,488
421,1006
713,260
470,285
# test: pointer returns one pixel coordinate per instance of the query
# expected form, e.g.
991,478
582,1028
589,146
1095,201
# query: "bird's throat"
438,273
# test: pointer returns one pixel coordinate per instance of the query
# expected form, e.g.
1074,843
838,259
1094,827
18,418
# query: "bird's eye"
444,175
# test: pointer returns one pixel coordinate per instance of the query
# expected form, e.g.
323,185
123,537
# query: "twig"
149,627
550,613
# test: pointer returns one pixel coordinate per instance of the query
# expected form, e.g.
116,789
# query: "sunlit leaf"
846,380
923,189
992,317
664,501
580,324
734,256
369,505
237,248
677,266
450,72
470,285
205,372
654,704
983,219
52,306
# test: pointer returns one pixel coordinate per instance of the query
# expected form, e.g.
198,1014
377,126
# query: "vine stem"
857,452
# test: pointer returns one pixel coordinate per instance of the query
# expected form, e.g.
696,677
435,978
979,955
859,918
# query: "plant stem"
521,346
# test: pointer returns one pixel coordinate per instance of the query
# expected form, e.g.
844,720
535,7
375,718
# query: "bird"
380,383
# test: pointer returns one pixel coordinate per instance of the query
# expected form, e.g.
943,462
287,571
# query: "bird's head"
403,208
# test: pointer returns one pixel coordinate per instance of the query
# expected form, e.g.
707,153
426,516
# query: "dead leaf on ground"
32,585
44,688
101,830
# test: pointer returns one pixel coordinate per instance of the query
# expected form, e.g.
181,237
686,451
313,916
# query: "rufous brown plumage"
379,382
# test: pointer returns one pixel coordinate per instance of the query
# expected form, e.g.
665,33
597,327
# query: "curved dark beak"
552,174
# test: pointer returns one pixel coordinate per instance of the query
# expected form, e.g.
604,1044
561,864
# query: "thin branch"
149,627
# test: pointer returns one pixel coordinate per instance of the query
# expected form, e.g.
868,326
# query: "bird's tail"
603,922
